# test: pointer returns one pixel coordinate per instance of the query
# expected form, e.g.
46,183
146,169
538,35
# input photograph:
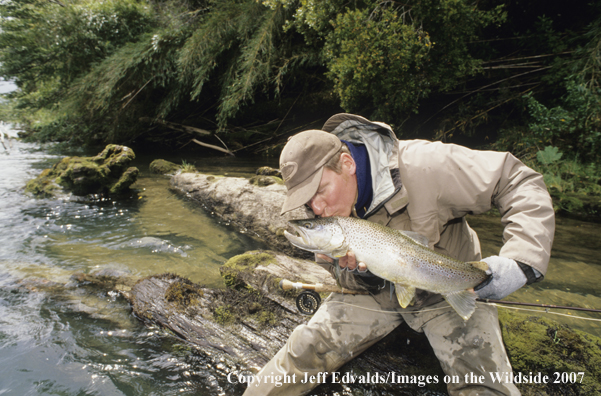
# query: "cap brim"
302,192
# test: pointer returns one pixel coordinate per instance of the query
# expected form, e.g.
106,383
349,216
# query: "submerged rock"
106,173
156,245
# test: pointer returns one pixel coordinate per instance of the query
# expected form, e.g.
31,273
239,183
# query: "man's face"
337,192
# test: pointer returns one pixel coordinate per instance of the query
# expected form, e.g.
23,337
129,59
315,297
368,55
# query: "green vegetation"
519,76
240,267
187,167
163,167
183,292
575,187
536,345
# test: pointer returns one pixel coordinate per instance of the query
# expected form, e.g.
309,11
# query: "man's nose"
317,205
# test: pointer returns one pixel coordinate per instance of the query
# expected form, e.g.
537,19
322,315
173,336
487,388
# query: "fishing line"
545,311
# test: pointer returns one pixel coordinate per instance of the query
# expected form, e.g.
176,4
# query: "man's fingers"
324,257
351,261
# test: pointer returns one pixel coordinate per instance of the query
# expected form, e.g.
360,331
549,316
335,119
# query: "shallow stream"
76,344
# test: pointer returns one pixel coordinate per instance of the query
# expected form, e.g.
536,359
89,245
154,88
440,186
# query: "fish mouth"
299,238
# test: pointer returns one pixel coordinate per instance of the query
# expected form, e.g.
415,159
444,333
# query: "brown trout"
401,257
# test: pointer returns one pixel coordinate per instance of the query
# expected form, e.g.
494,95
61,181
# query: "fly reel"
308,302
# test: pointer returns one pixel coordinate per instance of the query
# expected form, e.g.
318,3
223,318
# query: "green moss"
107,172
163,167
239,267
264,181
43,186
115,157
538,345
250,260
268,171
266,318
183,292
128,178
224,315
245,305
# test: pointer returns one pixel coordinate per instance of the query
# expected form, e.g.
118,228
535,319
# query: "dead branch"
213,147
176,127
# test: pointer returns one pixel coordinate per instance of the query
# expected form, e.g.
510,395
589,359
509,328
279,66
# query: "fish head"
320,235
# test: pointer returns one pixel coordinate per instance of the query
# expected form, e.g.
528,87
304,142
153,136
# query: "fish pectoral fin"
404,294
464,302
481,265
419,238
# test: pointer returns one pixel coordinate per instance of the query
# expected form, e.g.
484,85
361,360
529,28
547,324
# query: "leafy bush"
573,185
378,61
383,58
574,127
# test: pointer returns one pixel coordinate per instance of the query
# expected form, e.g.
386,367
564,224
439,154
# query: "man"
355,167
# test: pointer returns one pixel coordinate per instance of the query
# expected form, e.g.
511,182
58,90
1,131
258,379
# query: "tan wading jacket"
429,187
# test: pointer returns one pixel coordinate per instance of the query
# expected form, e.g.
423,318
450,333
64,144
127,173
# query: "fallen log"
235,330
252,208
243,326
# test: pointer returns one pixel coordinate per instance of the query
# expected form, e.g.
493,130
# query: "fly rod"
486,300
308,301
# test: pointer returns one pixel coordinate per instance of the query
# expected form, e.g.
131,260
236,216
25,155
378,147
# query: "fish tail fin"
404,294
464,302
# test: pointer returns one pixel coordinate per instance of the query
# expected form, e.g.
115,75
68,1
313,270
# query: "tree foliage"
90,70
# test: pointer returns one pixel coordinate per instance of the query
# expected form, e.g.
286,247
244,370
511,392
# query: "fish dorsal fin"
464,302
404,294
419,238
481,265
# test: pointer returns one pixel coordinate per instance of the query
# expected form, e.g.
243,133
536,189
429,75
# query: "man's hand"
348,262
507,277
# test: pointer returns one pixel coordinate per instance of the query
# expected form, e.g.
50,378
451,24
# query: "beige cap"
301,164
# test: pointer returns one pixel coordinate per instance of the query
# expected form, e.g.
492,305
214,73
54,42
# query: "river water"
88,343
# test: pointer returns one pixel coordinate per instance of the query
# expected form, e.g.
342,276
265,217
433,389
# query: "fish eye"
307,225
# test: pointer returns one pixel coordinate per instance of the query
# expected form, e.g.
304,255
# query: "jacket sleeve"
469,182
527,214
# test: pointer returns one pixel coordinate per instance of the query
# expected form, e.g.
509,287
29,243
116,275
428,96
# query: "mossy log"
244,325
239,328
247,323
252,205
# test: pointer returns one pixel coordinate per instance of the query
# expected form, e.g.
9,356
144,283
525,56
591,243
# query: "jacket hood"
382,148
